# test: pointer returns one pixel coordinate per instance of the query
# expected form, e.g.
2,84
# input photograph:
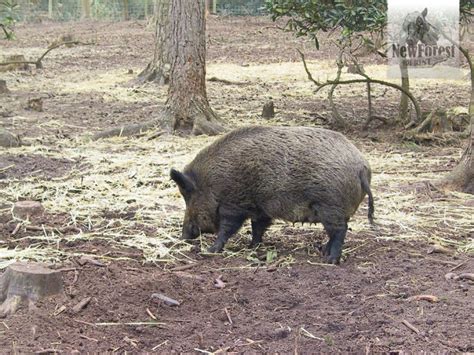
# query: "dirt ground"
112,220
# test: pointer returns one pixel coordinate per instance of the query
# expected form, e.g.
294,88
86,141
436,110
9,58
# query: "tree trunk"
86,8
126,13
462,176
187,108
405,85
158,69
208,7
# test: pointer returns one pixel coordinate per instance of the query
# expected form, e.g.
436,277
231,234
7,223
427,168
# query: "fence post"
126,14
86,8
50,9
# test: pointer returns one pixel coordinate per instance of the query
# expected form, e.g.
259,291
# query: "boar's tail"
365,177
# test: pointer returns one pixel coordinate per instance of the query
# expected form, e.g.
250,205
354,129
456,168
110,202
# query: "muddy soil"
288,302
364,305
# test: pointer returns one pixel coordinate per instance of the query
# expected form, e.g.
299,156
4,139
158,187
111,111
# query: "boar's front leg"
259,226
229,223
333,249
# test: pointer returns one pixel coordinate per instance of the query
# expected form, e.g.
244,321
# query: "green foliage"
8,17
308,17
351,17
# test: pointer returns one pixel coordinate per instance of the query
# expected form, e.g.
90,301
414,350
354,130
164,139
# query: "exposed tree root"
158,75
461,178
127,130
226,82
203,121
202,125
371,118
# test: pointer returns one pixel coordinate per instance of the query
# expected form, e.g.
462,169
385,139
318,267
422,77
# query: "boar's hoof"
254,244
326,250
334,260
216,248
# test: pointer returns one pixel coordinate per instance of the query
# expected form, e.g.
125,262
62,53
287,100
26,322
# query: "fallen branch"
366,80
183,267
429,298
62,230
38,63
227,82
466,276
126,131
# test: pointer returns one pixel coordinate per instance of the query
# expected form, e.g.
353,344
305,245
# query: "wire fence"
117,10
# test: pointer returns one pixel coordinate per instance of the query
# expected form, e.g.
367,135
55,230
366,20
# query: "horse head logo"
416,29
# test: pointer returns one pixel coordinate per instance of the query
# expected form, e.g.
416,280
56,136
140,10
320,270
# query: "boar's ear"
425,12
184,183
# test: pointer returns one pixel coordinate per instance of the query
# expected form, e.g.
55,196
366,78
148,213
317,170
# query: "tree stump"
3,87
35,104
8,140
27,283
16,63
27,209
268,110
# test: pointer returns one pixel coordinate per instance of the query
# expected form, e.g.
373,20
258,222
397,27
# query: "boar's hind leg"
259,226
229,224
333,249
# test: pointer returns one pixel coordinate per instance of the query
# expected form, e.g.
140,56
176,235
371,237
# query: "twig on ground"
160,344
467,276
457,266
17,228
88,338
84,322
228,315
183,267
410,326
151,314
429,298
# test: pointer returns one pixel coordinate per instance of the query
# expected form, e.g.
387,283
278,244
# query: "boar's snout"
190,231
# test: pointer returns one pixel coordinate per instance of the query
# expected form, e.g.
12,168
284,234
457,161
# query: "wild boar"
296,174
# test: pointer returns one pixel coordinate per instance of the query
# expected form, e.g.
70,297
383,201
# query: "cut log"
268,110
8,140
27,209
27,283
3,87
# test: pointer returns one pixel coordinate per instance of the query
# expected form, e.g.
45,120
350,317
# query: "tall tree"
187,109
158,70
462,176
